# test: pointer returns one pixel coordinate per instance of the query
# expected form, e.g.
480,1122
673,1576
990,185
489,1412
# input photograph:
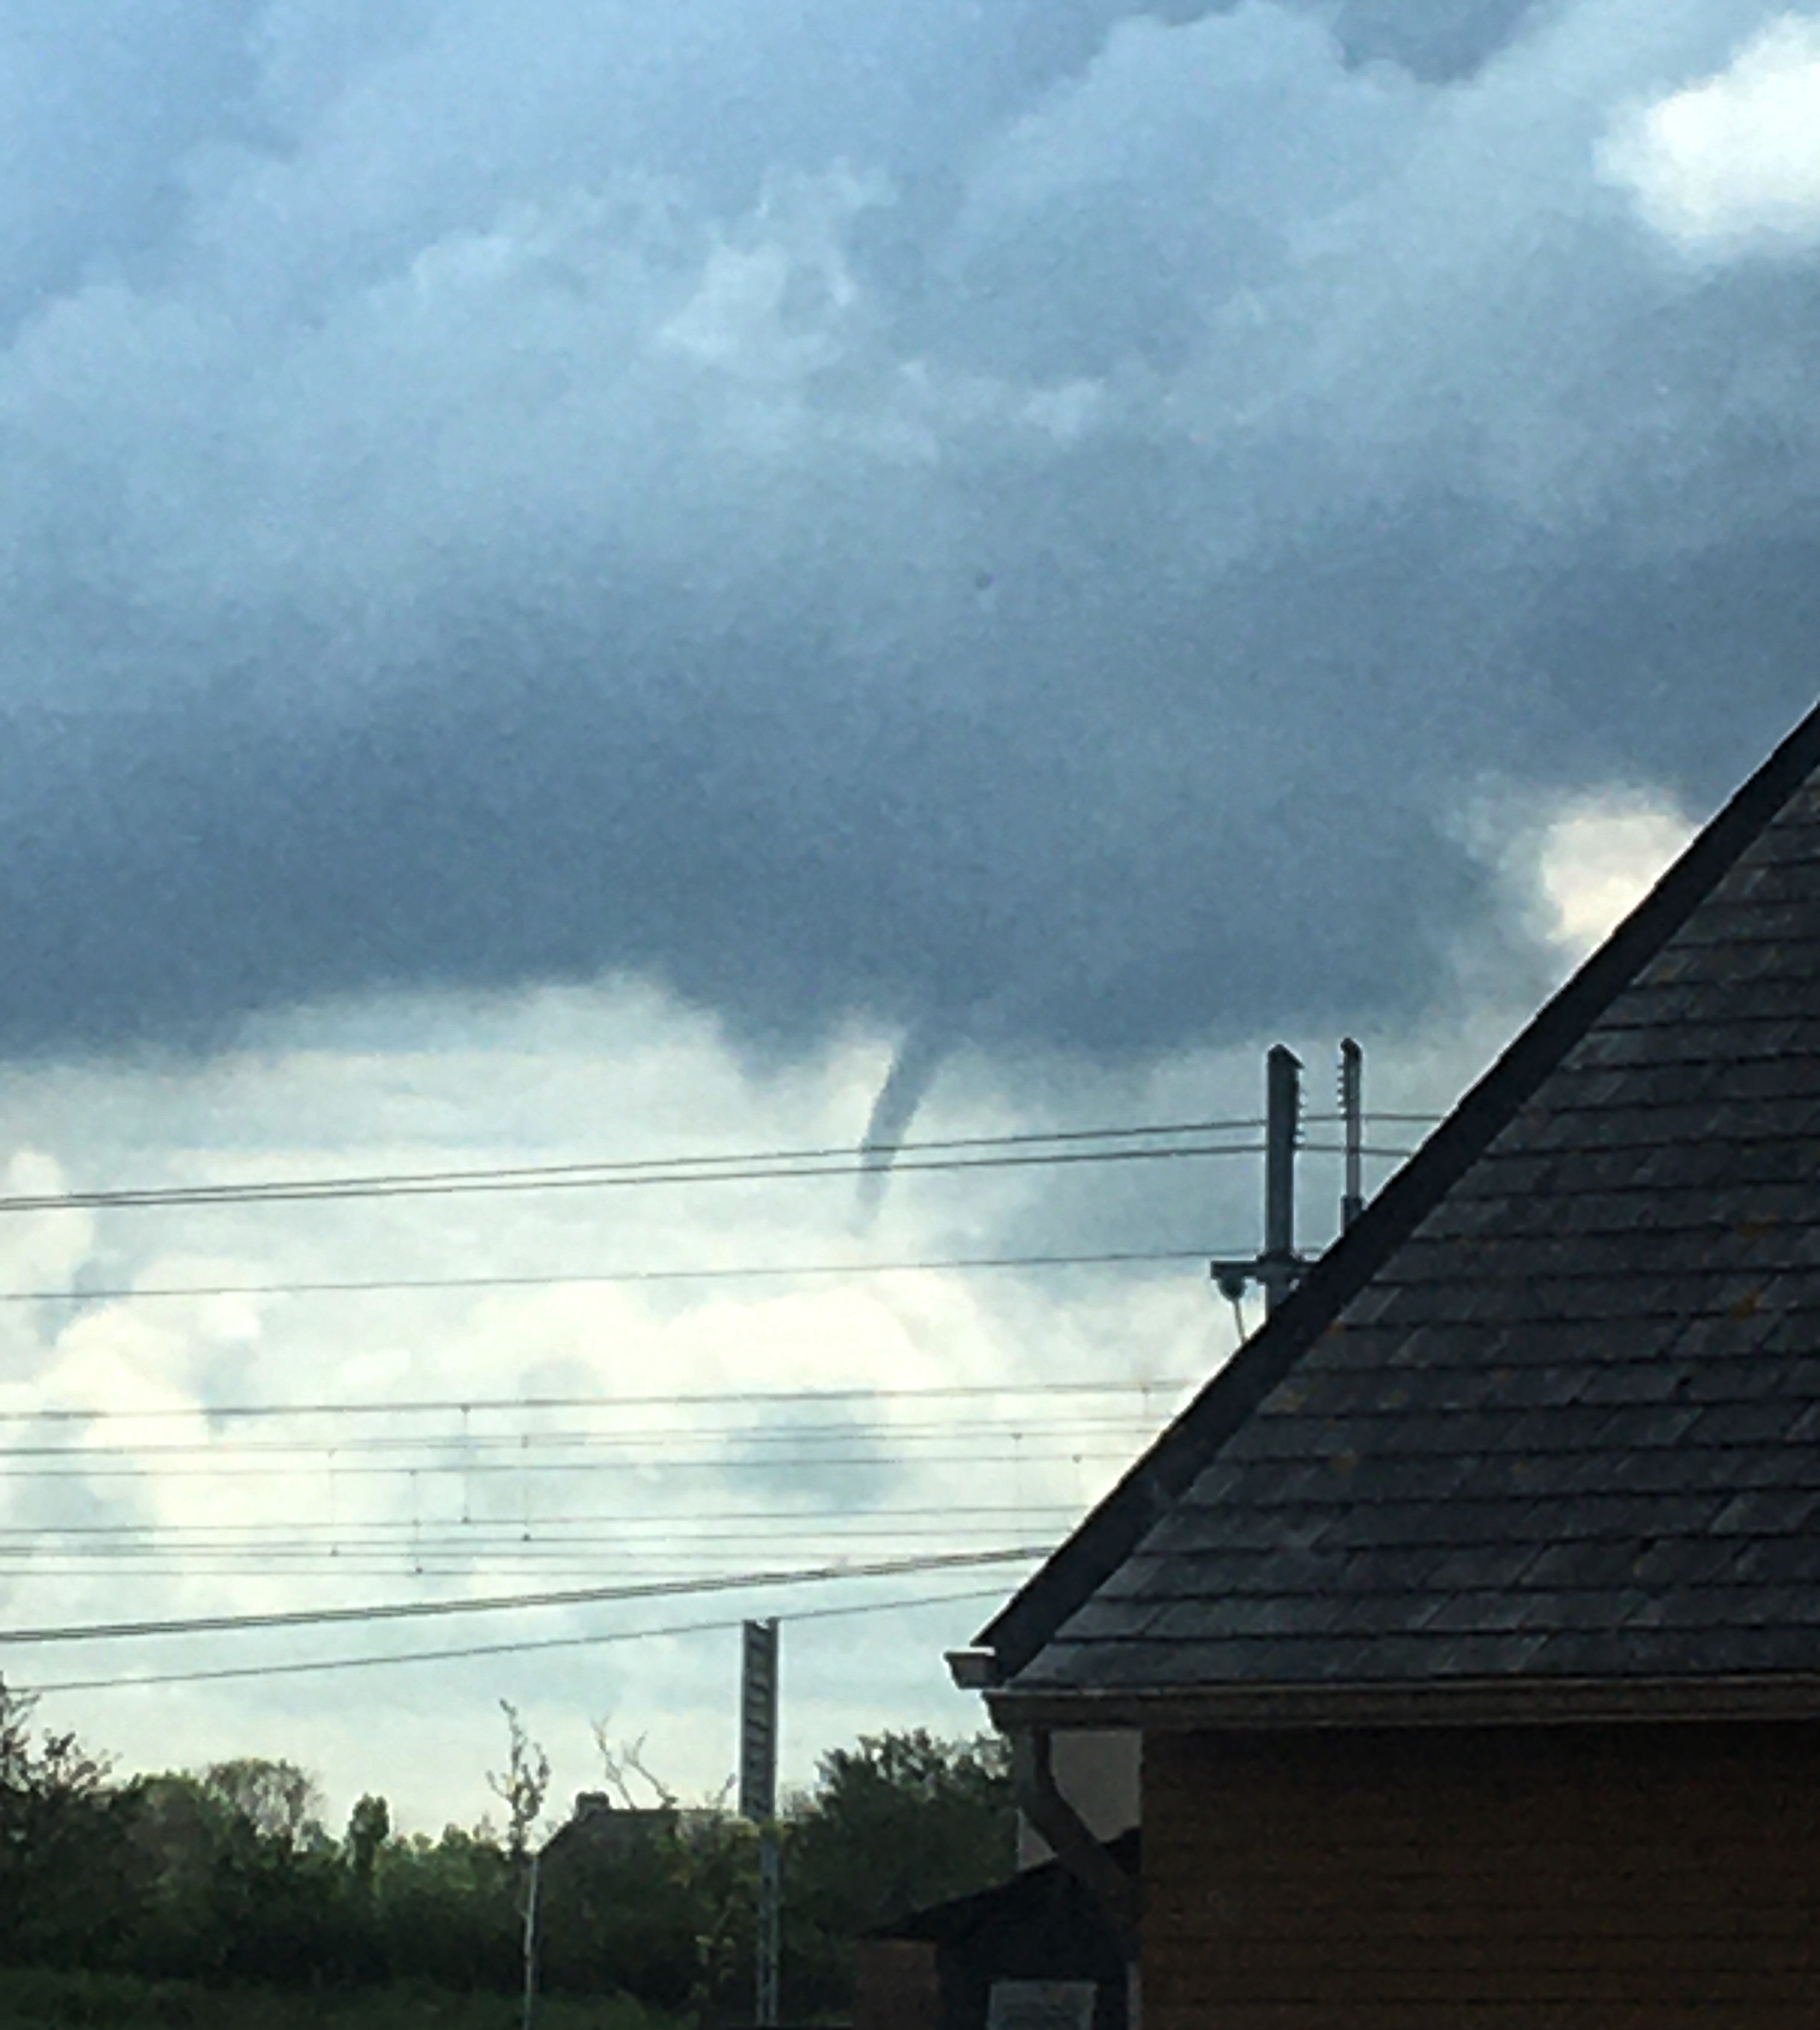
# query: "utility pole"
759,1801
1279,1267
1353,1114
533,1885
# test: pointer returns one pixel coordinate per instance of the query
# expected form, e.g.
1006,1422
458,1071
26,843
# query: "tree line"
229,1873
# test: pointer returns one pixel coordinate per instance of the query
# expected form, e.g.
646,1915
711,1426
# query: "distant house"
1037,1952
1470,1618
599,1830
608,1915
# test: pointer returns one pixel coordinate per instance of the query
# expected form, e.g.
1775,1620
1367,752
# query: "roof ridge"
1101,1542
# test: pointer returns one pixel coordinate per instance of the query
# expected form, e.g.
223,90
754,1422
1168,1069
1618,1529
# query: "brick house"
1469,1618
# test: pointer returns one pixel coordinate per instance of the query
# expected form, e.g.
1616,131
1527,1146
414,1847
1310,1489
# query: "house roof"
1033,1894
1541,1432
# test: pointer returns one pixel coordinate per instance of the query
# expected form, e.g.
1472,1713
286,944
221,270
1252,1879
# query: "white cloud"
1599,859
1733,162
220,1518
428,1085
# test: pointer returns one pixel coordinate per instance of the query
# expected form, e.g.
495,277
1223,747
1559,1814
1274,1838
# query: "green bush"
190,1889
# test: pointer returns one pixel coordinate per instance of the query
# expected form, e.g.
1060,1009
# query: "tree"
522,1788
179,1830
65,1886
446,1910
369,1828
899,1820
621,1764
277,1800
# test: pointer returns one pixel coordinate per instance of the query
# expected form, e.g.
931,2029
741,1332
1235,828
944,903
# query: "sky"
585,581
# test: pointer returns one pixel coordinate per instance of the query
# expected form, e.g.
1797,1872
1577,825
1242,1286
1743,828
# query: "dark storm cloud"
1026,523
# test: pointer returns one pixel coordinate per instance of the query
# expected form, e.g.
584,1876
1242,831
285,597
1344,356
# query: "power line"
770,1463
958,1153
843,1159
543,1525
332,1574
444,1537
678,1399
183,1196
413,1610
293,1575
762,1272
1377,1113
317,1664
403,1566
441,1559
449,1452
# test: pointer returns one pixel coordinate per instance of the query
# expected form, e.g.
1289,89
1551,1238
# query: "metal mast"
758,1801
1352,1114
1278,1266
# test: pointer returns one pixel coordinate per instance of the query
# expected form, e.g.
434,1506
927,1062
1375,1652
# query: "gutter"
1536,1699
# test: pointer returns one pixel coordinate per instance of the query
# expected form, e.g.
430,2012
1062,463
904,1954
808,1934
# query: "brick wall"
1648,1878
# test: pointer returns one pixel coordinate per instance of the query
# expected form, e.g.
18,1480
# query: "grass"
39,2001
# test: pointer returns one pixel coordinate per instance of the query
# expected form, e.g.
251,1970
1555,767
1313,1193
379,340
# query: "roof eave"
1458,1702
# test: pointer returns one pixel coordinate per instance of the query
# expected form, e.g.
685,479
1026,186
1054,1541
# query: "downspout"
1040,1800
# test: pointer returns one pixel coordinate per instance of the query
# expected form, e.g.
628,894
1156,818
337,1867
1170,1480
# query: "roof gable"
1551,1410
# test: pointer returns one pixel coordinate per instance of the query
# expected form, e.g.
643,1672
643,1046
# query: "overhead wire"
873,1160
966,1152
1037,1146
414,1610
763,1272
449,1451
1380,1113
1033,1148
666,1524
666,1398
666,1534
1001,1152
1047,1148
311,1665
442,1547
868,1461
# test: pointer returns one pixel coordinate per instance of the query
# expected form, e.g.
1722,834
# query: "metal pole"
1352,1109
531,1938
770,1926
758,1801
1282,1113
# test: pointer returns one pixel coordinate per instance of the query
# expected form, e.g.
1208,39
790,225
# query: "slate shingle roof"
1551,1411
